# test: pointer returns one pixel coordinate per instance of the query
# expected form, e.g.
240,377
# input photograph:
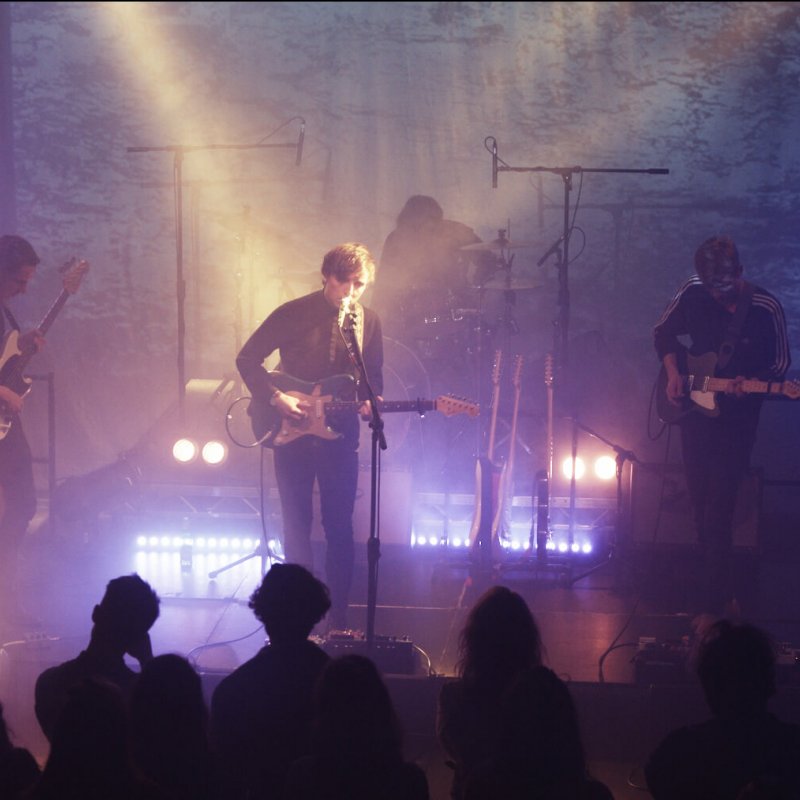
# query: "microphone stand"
561,247
179,151
378,444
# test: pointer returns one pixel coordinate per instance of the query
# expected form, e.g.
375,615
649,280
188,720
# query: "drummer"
423,268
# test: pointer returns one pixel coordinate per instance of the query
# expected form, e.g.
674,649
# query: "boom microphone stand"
560,247
179,151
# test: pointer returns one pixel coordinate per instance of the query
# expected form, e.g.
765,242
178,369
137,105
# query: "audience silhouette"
89,750
18,768
261,712
743,751
508,724
169,730
121,624
357,751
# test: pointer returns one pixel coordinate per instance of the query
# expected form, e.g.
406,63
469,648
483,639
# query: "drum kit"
452,324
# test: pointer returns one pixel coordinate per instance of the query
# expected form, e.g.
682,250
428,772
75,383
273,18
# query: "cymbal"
498,246
499,282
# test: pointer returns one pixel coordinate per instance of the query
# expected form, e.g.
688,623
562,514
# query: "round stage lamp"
214,452
184,451
605,468
580,468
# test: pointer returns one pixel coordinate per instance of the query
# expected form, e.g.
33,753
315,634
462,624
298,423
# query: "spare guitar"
14,359
702,388
501,525
487,476
545,476
272,429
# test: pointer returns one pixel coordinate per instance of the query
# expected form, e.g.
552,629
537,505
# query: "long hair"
500,638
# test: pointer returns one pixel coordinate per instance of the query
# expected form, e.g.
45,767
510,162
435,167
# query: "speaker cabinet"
664,485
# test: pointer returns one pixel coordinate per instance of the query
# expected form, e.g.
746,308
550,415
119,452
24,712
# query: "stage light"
184,451
580,468
214,453
605,468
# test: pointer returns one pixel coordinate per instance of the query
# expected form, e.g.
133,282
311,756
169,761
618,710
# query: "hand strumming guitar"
289,406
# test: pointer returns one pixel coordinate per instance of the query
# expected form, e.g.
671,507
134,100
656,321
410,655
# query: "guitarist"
18,261
750,344
308,334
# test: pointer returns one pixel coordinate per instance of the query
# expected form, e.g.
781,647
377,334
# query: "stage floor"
616,628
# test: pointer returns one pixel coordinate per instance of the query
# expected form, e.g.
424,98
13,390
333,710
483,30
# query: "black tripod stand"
622,456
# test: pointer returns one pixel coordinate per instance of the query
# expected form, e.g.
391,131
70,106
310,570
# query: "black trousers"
716,458
333,465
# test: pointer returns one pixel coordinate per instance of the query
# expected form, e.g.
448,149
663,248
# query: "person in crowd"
261,712
121,625
89,757
540,751
743,750
499,641
320,336
18,768
737,331
169,730
357,750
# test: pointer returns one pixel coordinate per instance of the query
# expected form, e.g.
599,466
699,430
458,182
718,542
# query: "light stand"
623,455
178,151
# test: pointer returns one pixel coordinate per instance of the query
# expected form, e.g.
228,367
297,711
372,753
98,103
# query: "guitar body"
702,388
487,488
9,373
694,369
276,430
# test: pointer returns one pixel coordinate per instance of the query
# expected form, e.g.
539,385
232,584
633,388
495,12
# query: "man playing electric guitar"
743,327
310,335
18,262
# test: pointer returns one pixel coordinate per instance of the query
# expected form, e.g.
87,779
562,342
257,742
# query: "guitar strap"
735,328
10,317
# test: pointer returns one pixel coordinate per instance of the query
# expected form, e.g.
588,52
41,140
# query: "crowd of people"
297,724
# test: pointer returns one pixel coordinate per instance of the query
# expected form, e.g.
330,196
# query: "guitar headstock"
548,369
791,389
449,405
497,367
515,380
72,274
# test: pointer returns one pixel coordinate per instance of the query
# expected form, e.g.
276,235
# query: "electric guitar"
501,525
487,484
702,388
14,358
545,476
272,429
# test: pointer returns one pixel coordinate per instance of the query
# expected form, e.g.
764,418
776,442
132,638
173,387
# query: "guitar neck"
747,386
386,406
52,312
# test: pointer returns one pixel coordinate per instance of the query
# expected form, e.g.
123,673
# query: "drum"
404,378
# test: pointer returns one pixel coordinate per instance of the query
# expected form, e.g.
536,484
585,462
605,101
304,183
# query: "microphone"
300,141
344,307
494,163
552,250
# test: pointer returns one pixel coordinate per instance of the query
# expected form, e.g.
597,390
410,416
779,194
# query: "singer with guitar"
740,330
310,333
